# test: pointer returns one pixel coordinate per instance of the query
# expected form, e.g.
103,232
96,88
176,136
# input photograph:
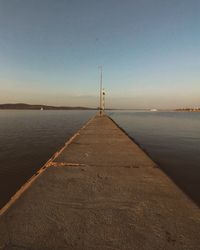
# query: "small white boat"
153,110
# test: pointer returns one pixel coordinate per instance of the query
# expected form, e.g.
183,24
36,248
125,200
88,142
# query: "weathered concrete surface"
102,192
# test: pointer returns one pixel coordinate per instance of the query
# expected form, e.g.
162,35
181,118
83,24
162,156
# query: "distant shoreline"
24,106
188,110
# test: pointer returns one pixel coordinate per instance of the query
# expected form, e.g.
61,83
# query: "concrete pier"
100,192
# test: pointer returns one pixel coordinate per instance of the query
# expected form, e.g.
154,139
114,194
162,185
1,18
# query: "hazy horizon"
149,50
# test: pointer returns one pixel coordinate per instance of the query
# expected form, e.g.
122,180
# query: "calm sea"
172,139
29,138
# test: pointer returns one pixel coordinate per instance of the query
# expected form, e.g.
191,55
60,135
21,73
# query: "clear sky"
150,51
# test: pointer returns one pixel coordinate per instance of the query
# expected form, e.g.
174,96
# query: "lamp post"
103,100
100,106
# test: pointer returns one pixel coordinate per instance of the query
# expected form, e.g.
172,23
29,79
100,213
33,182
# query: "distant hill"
23,106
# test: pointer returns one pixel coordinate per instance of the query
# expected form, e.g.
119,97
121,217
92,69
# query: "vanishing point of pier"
100,192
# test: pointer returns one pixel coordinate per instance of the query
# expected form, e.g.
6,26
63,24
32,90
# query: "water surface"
28,139
172,139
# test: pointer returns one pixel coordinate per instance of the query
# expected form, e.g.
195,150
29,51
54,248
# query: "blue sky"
149,49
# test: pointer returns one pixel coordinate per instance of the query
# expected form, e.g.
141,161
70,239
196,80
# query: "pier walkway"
100,192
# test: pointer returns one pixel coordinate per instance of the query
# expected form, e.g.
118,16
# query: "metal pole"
103,97
101,78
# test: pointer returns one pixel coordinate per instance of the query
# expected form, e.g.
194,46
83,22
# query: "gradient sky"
150,51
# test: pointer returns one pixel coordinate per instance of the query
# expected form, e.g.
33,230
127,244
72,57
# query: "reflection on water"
172,139
28,139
